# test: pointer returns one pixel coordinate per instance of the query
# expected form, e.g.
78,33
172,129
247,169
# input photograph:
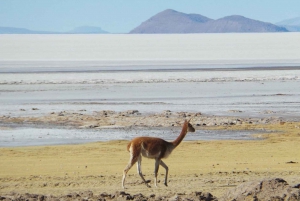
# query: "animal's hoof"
147,183
166,184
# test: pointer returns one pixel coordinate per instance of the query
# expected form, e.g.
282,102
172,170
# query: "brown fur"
155,148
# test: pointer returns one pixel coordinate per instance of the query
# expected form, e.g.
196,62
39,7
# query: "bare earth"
198,166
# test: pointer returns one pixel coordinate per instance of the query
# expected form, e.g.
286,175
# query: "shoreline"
61,127
206,166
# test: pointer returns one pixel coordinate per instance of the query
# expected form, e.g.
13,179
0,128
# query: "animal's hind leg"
139,169
132,161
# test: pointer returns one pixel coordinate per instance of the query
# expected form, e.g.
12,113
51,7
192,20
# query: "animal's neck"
181,136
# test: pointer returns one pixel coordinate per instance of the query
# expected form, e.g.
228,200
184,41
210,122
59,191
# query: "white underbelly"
147,154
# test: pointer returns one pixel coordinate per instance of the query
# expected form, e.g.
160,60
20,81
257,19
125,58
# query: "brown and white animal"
154,148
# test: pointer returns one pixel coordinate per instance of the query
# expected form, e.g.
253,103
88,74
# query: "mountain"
13,30
237,23
87,30
171,21
78,30
290,24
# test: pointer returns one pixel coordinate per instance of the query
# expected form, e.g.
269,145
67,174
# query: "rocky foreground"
269,189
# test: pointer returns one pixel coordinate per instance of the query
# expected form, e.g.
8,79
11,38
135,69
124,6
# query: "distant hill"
171,21
78,30
237,23
13,30
87,30
290,24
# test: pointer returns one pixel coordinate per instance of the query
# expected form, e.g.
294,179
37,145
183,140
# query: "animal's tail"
128,146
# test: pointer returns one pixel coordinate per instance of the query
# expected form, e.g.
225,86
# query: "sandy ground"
206,166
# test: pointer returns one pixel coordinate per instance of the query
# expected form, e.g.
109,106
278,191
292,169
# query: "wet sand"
206,166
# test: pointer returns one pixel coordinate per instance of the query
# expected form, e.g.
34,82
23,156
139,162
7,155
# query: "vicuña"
155,148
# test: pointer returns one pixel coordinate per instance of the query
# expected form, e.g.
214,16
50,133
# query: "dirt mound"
268,189
264,190
88,195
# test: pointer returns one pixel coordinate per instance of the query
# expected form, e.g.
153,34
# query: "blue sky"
121,16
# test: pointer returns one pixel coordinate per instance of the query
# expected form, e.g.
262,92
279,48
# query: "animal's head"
190,127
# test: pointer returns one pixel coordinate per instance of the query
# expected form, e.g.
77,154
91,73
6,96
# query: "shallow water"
30,136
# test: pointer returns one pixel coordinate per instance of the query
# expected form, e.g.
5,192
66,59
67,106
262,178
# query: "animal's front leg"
157,162
167,170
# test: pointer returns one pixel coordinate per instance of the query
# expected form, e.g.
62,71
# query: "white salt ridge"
149,77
